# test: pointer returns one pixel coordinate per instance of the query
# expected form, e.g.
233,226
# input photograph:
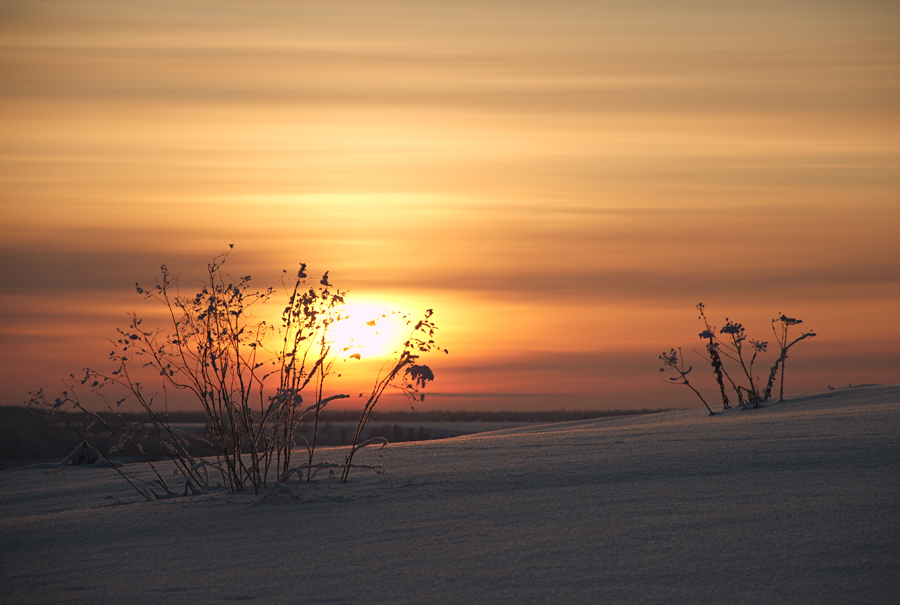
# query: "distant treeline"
30,435
480,416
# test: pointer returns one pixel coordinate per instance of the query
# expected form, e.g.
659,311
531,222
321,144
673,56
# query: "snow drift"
793,502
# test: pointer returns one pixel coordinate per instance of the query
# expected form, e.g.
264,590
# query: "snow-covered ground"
797,502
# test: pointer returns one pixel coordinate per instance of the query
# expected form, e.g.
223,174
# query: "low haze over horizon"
561,182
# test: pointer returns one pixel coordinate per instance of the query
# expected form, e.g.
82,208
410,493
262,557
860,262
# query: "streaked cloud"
564,178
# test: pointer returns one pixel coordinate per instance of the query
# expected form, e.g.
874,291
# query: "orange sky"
561,181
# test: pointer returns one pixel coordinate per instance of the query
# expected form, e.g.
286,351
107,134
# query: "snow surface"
794,503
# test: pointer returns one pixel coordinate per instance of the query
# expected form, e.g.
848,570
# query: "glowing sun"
369,330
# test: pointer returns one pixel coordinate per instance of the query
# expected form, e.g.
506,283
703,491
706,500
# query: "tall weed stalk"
732,343
248,376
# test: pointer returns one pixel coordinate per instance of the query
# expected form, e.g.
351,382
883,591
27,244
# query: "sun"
370,329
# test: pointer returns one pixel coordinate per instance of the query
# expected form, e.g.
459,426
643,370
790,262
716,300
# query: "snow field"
795,502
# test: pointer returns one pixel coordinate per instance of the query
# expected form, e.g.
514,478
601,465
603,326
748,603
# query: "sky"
561,182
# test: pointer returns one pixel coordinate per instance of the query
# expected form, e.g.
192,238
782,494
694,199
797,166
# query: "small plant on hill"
731,343
734,350
781,335
715,360
420,339
248,376
671,360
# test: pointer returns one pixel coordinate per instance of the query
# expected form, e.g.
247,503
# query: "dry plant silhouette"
742,352
674,360
420,339
248,376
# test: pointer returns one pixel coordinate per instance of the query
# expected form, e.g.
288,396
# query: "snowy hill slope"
796,502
